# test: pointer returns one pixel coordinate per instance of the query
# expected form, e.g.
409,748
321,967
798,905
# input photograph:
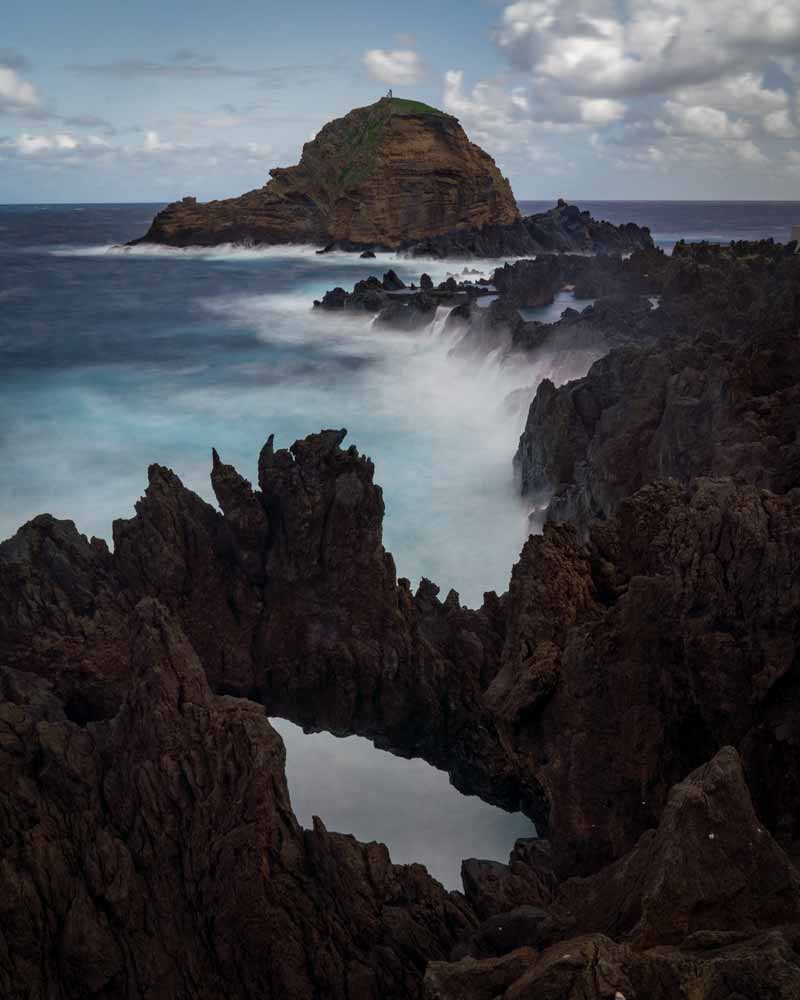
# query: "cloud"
89,121
601,110
705,122
744,94
500,114
69,150
501,120
652,81
660,147
791,162
587,48
14,60
191,56
779,124
17,96
400,67
27,145
189,67
153,144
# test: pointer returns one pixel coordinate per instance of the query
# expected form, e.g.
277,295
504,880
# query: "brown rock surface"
594,967
707,900
385,174
155,854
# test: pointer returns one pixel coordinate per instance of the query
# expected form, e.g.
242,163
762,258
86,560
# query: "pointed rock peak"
266,460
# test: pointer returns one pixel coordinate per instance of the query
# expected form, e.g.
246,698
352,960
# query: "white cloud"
705,122
399,67
601,111
502,113
493,116
587,48
153,144
34,145
779,124
635,149
17,95
749,153
743,94
658,81
64,149
791,162
500,119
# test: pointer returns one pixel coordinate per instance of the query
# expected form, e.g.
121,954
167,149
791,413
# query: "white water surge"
158,355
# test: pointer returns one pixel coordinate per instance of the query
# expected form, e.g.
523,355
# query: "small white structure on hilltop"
796,237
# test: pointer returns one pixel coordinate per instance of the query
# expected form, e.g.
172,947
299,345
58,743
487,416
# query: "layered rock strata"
383,175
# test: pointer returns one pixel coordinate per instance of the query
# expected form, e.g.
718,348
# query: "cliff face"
391,172
719,399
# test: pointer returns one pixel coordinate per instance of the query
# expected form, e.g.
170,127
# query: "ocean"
111,359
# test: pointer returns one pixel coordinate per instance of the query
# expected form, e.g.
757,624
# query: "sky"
620,99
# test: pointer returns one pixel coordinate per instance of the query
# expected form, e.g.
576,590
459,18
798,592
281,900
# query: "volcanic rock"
562,229
156,854
385,174
720,399
707,898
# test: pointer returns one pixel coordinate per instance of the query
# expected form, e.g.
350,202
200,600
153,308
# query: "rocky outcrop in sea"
395,175
384,175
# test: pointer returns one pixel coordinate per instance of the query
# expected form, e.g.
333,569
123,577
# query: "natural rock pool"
407,804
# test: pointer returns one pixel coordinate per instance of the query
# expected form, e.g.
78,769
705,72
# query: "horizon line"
573,201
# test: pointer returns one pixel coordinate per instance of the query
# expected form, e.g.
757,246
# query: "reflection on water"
406,804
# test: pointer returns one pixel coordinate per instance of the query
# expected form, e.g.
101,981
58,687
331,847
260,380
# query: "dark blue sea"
111,359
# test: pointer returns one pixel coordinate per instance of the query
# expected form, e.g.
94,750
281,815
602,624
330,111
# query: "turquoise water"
112,360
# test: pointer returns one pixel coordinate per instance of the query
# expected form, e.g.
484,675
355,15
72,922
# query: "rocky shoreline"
635,691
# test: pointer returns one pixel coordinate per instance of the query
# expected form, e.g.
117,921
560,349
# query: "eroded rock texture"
155,854
720,399
635,692
705,905
393,172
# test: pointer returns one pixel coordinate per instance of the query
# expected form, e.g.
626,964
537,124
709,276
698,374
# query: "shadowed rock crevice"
156,853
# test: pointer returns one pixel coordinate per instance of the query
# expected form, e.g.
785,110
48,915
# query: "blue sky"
603,99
